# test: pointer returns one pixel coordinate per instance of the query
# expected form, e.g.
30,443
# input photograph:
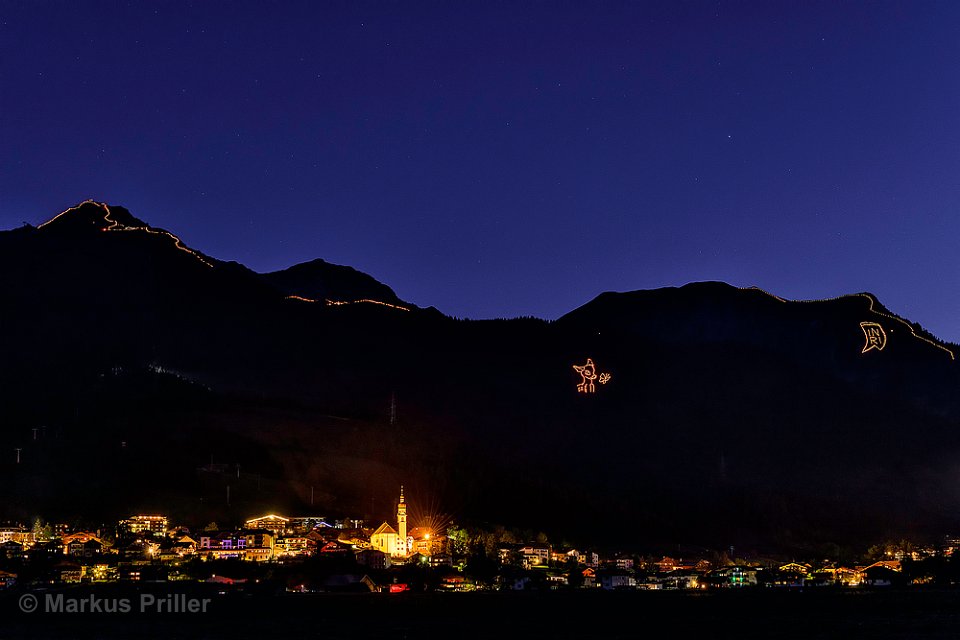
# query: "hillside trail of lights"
340,303
871,301
117,226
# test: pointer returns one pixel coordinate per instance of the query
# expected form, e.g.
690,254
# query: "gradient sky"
498,159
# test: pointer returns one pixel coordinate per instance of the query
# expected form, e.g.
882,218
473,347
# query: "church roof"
385,528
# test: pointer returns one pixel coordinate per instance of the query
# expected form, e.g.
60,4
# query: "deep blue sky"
515,158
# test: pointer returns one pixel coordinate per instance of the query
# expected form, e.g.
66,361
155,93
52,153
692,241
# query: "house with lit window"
270,522
11,550
535,555
67,572
731,577
426,542
154,524
666,564
680,579
882,574
616,579
223,545
90,549
293,546
373,558
7,579
11,533
258,554
589,578
334,547
304,524
185,546
82,536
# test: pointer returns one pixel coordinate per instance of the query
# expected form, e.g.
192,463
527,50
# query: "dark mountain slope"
320,280
732,416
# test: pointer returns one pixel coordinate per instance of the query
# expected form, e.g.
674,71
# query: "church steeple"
402,522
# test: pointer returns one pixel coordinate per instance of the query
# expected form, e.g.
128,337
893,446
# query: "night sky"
506,159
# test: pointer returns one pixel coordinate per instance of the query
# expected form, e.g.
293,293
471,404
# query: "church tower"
402,523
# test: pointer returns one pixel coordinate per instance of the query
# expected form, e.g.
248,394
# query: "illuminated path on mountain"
114,225
338,303
117,226
871,300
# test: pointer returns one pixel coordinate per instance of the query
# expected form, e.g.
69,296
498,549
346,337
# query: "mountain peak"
727,312
322,280
90,215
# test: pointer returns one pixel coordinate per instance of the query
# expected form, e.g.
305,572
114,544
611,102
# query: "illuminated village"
312,554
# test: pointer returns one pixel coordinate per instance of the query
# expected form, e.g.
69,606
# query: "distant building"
392,541
80,538
154,524
223,545
294,546
616,579
11,550
89,549
441,560
335,547
304,524
735,576
348,523
46,551
7,579
259,544
535,555
17,534
185,546
882,574
385,539
425,542
271,522
373,558
67,572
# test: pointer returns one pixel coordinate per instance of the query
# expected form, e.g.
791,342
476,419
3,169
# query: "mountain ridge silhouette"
730,414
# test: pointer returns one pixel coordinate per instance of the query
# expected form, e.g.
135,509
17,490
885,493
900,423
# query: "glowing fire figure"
875,335
588,373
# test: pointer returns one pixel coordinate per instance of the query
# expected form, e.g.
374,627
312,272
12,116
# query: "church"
393,542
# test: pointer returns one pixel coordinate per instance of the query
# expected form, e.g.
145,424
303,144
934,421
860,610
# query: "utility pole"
393,408
35,430
228,495
18,450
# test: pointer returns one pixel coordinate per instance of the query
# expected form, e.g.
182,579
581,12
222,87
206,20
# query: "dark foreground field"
768,614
